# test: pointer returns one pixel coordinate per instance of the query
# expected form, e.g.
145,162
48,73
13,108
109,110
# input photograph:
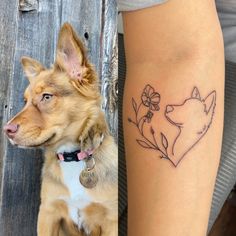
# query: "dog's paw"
82,223
87,228
93,138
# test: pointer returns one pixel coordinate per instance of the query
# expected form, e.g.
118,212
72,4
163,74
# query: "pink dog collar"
83,154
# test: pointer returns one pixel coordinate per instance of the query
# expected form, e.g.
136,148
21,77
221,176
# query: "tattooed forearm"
180,115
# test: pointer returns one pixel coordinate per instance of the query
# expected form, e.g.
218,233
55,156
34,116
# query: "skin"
173,47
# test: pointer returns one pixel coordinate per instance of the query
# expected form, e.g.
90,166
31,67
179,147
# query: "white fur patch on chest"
79,197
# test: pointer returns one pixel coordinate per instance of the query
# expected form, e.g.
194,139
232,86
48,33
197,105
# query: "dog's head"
59,100
193,108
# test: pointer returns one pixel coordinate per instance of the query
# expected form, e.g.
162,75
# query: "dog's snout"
11,129
169,108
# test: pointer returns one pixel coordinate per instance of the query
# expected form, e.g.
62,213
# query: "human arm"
174,48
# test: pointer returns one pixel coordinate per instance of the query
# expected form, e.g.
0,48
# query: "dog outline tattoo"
180,116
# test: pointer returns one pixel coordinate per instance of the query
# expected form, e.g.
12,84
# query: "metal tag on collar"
88,177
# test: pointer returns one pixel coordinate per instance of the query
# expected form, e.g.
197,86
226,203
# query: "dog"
62,114
183,116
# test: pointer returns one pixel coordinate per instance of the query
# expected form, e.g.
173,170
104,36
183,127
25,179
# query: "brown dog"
63,115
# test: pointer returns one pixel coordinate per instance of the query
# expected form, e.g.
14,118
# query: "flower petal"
144,97
145,100
154,107
146,103
155,97
148,90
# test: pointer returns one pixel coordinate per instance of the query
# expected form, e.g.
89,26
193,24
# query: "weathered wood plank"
28,5
109,65
8,21
86,17
36,33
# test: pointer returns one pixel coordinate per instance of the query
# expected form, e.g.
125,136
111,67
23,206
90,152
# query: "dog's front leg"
48,223
110,229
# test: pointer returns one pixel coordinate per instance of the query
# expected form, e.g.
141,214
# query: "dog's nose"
11,129
169,108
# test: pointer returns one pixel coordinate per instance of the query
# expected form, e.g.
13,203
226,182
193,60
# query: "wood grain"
109,66
30,27
8,22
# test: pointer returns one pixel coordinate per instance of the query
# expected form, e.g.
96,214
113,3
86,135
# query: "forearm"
170,182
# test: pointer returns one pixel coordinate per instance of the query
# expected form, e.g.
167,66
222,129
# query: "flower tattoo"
150,98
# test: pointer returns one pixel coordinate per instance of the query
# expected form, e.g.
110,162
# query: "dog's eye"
46,97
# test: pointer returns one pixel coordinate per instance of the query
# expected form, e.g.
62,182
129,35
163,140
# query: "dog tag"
88,178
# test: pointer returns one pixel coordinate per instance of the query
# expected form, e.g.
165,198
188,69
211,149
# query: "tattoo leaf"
152,131
134,105
164,141
143,143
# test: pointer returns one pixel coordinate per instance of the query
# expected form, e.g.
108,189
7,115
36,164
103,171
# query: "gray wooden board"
86,18
33,31
109,65
8,17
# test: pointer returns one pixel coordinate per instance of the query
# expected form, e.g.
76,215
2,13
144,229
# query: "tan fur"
73,114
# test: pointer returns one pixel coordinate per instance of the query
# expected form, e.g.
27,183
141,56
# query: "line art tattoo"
180,116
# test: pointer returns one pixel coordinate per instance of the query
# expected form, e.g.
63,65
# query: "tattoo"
181,116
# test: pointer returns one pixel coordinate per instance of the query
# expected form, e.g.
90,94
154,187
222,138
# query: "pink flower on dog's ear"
150,98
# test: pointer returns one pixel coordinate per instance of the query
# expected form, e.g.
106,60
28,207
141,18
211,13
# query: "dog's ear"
31,67
71,56
195,93
210,102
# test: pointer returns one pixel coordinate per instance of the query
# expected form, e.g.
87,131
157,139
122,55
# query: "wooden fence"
30,27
